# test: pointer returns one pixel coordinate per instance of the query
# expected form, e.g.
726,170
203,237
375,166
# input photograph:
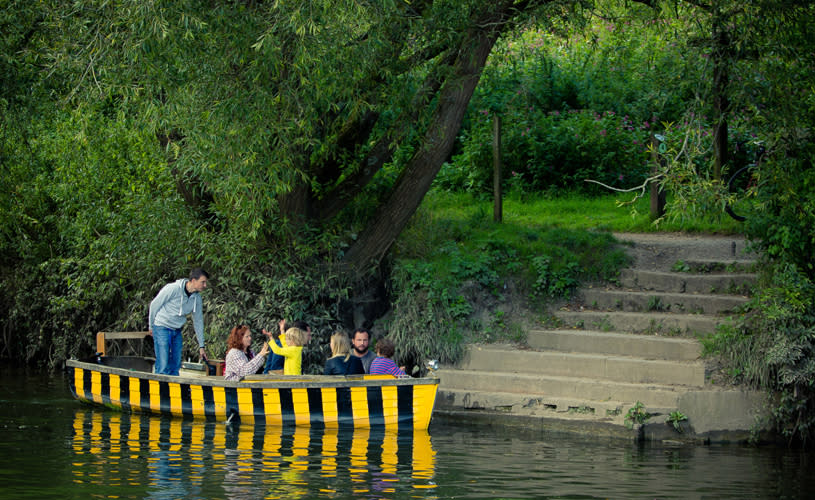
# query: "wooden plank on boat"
102,339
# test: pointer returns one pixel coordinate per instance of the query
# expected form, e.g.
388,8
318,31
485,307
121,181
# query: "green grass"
574,211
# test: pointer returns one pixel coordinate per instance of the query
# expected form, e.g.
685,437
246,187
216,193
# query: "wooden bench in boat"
189,369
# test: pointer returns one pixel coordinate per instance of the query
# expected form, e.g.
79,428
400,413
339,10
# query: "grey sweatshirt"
172,305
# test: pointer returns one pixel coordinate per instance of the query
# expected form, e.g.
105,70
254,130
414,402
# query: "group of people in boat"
282,351
286,345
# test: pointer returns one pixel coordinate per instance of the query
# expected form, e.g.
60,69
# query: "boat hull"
359,401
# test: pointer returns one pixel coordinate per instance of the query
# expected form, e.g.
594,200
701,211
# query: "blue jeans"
168,345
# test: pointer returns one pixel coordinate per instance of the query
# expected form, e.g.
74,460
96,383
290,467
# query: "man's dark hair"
361,330
197,272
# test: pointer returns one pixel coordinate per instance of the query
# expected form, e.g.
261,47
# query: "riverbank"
624,359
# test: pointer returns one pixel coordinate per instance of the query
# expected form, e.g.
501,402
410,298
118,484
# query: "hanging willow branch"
641,188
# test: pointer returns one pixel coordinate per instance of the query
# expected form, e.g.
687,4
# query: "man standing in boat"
168,314
361,341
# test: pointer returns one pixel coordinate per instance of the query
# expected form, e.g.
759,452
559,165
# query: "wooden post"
497,209
657,195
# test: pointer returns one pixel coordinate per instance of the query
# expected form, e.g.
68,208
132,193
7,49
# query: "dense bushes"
553,151
573,111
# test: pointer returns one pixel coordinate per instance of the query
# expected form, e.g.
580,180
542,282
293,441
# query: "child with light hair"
292,342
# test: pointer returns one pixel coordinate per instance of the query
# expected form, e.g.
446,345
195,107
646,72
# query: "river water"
52,446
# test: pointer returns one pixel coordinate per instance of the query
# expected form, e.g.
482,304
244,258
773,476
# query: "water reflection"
174,458
51,446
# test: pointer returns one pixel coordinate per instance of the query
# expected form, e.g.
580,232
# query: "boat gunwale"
262,381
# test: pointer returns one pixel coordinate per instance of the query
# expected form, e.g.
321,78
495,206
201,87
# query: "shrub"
772,347
554,151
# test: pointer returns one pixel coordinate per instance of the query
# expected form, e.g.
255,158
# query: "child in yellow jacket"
292,341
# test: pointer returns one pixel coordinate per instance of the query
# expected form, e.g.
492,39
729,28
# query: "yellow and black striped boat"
127,383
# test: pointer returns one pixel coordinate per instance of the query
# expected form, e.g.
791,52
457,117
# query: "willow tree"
284,112
143,135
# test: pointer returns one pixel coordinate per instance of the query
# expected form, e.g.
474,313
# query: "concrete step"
662,252
489,358
720,412
542,406
715,266
616,344
625,300
639,322
551,386
737,284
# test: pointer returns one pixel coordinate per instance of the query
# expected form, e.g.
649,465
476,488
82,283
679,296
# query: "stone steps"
640,301
673,282
661,252
590,392
531,405
648,347
592,364
620,344
636,322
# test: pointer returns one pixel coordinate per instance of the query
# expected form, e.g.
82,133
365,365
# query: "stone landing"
617,346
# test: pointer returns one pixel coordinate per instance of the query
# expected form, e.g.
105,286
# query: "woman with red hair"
240,361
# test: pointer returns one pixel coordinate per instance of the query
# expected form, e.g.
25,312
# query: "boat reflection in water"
171,458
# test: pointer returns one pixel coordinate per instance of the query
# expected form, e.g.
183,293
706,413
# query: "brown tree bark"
422,168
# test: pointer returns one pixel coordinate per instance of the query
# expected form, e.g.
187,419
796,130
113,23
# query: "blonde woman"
292,342
341,361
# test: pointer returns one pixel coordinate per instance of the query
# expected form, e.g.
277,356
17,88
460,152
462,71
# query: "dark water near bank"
54,447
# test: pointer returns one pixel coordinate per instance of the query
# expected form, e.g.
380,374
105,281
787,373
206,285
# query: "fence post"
657,195
497,209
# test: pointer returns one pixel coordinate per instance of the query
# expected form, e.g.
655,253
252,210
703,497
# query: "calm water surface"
54,447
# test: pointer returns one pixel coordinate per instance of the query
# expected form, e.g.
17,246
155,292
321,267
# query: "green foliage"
575,104
783,225
636,415
551,282
772,348
138,140
680,267
675,418
554,150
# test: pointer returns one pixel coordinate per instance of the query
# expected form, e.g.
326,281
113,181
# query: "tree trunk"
438,142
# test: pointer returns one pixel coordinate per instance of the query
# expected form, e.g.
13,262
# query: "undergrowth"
772,347
457,273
